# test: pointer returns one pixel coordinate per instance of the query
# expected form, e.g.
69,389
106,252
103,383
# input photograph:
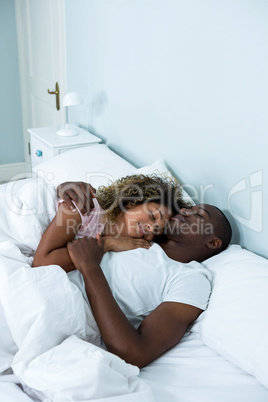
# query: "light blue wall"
186,81
11,133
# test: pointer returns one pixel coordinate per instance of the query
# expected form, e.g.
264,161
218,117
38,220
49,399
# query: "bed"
44,350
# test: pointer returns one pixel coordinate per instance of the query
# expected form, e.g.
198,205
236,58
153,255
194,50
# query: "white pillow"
96,164
235,324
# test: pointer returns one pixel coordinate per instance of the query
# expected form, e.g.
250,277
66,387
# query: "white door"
41,43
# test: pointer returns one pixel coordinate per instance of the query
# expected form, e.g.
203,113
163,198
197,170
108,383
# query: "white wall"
11,134
186,81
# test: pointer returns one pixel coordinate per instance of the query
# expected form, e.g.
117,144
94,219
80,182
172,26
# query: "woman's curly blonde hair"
134,190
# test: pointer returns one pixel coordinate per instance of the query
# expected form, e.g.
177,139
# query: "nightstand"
45,143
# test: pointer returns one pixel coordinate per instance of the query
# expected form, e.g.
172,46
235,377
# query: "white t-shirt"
141,280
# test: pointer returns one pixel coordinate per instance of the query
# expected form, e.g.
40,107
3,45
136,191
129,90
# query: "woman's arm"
160,330
52,247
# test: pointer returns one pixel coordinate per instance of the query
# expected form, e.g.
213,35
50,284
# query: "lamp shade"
72,99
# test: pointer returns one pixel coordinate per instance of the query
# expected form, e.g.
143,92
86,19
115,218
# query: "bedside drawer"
45,143
39,152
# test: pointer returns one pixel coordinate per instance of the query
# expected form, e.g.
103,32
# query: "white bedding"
47,330
192,372
44,319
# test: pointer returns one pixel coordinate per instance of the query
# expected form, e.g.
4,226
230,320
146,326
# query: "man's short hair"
223,230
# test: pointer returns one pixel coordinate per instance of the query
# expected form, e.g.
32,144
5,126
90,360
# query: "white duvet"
49,340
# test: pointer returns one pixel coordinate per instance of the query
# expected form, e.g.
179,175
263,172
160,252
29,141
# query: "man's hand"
85,253
122,243
79,192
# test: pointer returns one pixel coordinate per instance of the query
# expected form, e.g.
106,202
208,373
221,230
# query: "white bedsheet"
192,372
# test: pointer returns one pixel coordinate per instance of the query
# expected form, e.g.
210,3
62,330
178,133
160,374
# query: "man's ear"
214,243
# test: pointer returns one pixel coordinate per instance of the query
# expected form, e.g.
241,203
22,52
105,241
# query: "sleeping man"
143,301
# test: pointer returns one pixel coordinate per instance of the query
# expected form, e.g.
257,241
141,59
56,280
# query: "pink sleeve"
91,224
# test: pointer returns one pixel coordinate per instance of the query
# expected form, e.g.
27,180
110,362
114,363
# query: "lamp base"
68,131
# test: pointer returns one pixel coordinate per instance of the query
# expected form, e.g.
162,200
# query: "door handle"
57,93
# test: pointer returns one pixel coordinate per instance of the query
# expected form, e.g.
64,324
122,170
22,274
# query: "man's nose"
185,211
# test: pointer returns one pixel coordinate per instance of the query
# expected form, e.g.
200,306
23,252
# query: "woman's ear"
214,243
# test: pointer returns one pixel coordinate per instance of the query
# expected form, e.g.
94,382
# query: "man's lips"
176,225
179,217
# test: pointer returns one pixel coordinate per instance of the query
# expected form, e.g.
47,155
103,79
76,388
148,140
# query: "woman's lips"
141,230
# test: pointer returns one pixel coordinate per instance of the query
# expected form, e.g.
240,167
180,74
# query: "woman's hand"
121,243
79,192
85,253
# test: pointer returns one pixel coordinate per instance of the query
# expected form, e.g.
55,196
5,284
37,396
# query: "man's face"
192,224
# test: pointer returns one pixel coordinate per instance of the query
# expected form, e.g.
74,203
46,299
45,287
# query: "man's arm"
160,330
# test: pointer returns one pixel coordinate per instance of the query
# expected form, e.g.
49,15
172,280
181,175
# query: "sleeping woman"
125,215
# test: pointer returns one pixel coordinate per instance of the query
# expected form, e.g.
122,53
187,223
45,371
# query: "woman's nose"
152,228
149,227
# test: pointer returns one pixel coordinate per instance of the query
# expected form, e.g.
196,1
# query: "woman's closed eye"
152,216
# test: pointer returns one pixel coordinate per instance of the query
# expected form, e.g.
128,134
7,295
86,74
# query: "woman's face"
145,220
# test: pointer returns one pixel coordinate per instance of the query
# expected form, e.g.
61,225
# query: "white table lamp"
70,99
